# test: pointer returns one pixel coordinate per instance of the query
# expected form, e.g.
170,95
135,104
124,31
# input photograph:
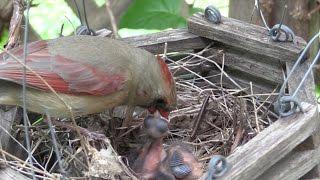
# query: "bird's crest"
165,71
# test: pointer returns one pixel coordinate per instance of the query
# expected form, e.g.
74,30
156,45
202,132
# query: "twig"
199,119
55,144
22,162
237,139
205,142
15,24
24,81
16,141
83,131
255,109
112,19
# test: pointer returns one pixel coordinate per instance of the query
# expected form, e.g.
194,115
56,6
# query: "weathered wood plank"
259,86
10,174
6,120
272,144
293,166
177,39
305,94
307,91
243,62
244,36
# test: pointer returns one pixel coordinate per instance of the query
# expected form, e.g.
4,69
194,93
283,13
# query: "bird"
182,163
89,74
175,162
147,164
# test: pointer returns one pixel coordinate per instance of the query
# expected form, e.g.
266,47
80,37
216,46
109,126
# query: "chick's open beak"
156,125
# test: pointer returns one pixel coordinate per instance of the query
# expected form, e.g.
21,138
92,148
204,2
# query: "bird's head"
165,99
157,93
156,90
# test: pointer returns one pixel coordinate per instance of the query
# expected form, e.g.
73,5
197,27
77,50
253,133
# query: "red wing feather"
64,75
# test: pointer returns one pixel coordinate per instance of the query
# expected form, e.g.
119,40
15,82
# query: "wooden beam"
254,66
293,166
272,144
7,118
245,36
10,174
177,39
259,86
305,94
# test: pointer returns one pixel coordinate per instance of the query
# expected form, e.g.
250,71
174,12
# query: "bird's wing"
62,74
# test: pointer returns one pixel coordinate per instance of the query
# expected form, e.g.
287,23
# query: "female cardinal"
90,74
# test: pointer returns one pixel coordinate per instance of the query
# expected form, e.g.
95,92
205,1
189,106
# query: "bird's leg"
83,131
128,117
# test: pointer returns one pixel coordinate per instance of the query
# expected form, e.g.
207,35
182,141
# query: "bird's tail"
6,93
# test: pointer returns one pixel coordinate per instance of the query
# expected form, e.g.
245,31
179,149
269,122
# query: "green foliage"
100,2
318,91
48,17
150,14
125,32
4,38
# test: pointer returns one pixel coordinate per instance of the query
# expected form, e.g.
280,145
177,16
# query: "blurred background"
134,17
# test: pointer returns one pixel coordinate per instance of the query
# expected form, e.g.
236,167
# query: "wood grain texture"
10,174
293,166
272,144
7,118
259,86
254,66
245,36
305,94
177,39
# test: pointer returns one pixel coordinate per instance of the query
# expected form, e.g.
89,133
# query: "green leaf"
318,90
125,32
48,17
4,38
153,14
100,3
38,121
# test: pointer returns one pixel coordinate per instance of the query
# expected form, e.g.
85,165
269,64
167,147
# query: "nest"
214,115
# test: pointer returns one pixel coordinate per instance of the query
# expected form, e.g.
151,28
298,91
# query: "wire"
25,116
78,11
276,31
84,29
55,144
85,15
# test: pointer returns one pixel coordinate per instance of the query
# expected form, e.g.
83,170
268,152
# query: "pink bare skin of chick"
176,163
156,163
90,74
